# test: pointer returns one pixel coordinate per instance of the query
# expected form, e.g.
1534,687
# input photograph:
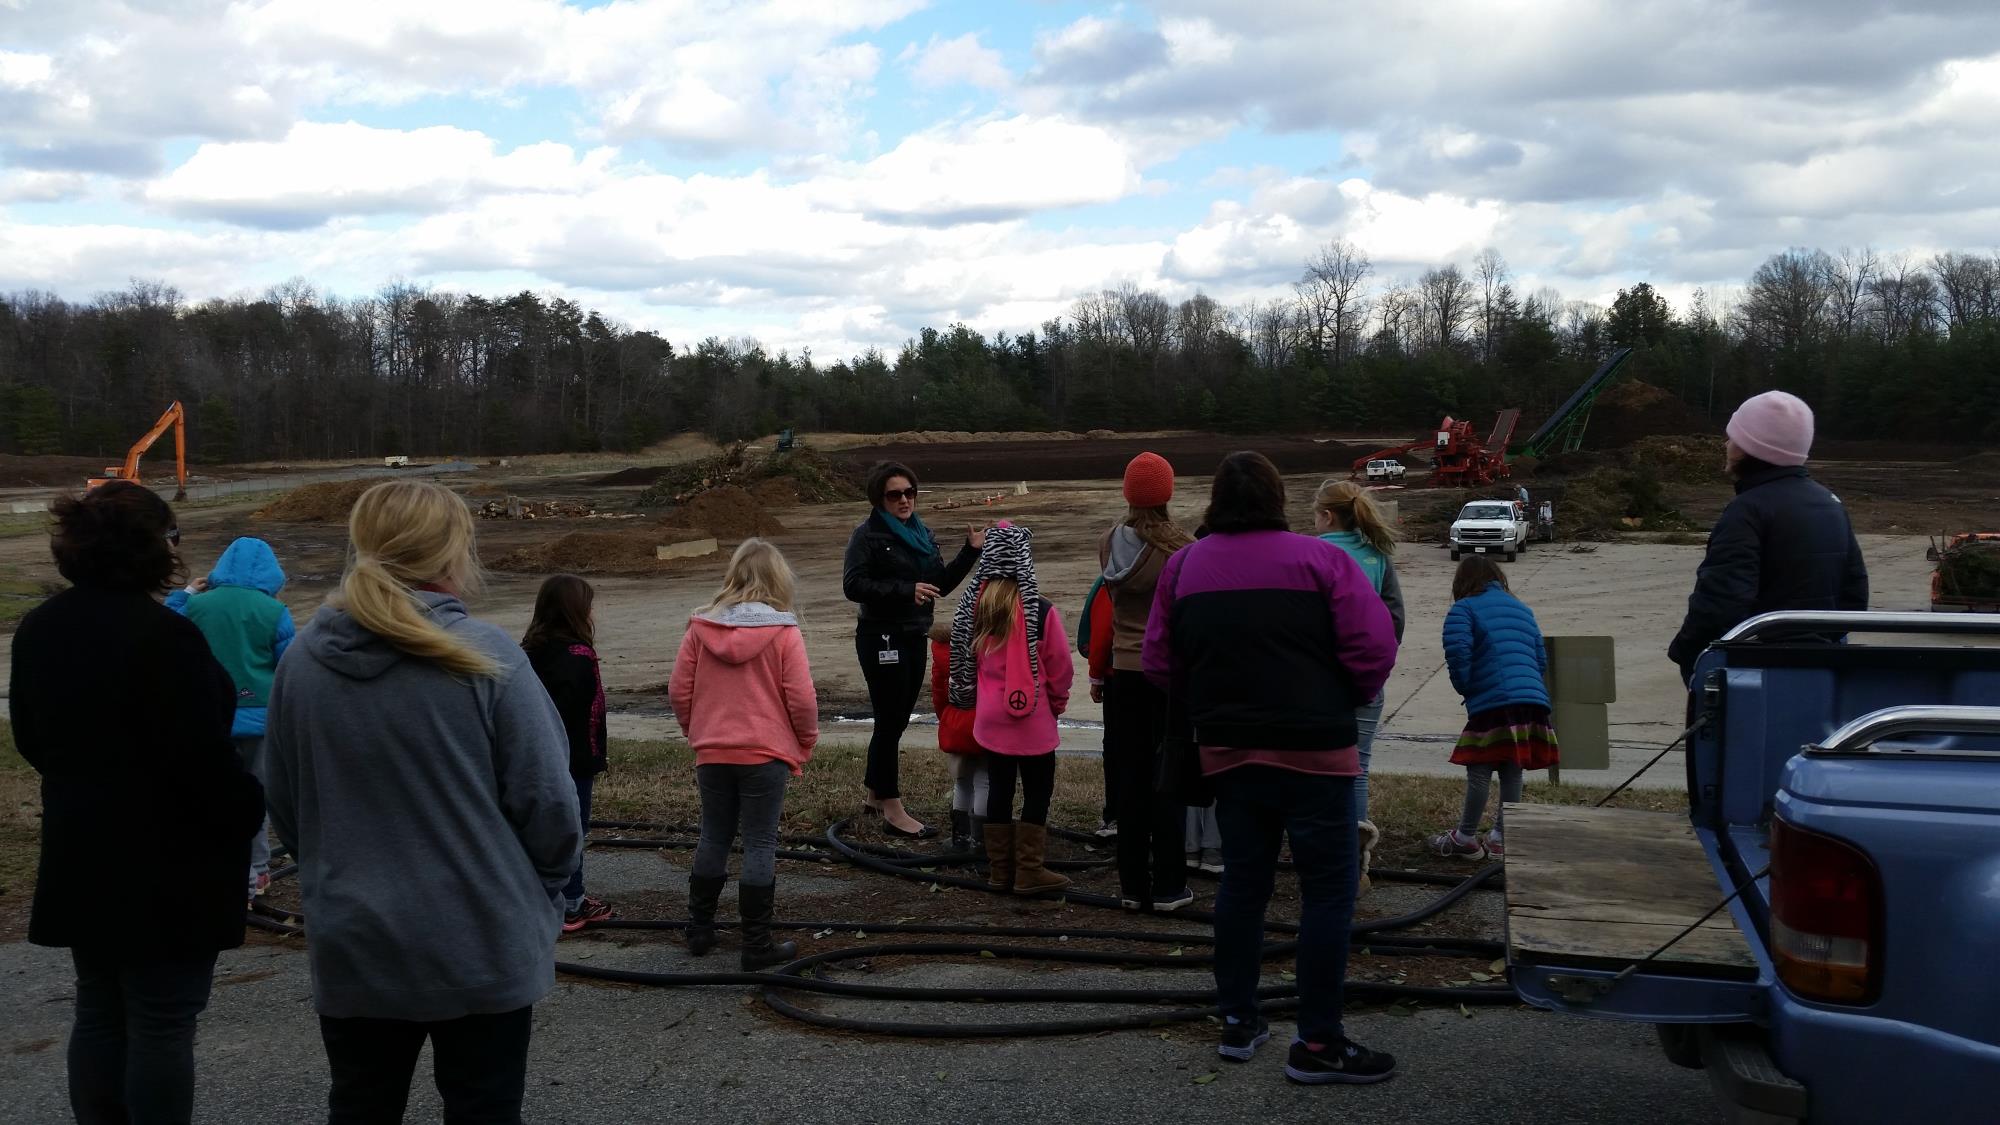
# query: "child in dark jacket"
560,646
968,760
1493,649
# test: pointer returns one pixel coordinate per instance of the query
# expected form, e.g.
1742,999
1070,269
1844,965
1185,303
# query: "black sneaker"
1241,1040
1165,902
1343,1061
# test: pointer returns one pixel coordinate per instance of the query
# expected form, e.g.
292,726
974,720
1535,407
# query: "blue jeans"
1257,807
1367,720
573,890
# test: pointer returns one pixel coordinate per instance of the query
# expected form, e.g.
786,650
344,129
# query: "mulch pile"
513,509
627,550
326,502
728,512
1629,411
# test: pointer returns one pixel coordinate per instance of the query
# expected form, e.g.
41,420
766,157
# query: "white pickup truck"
1387,468
1490,527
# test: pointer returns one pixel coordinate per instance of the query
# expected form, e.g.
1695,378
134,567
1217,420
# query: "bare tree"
1965,286
1786,304
1495,297
1850,276
1332,302
1902,301
1445,298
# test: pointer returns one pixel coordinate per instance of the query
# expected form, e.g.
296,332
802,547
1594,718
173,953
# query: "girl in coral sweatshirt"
743,694
1011,664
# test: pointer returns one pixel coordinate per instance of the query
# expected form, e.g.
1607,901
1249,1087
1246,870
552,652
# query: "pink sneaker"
1495,845
1453,845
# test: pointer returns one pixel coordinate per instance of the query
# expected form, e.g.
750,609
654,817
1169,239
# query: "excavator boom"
174,418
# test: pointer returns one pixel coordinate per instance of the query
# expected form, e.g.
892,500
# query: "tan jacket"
1131,586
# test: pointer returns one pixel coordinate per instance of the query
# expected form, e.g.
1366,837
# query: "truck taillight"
1826,916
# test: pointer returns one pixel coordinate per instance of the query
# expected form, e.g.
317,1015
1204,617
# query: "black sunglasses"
899,494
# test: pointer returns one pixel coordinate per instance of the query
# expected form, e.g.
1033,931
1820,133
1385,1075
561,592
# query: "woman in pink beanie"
1785,542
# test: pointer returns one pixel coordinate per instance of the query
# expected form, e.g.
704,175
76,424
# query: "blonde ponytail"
993,619
1351,506
406,534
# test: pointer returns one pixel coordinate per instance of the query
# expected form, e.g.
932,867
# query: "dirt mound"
807,476
638,474
485,490
776,492
59,472
328,501
1630,410
1987,462
1052,457
728,512
624,551
1682,460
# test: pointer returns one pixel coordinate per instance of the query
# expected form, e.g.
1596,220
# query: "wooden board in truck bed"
1605,887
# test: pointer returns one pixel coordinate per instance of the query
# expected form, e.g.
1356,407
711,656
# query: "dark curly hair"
880,476
1248,495
115,537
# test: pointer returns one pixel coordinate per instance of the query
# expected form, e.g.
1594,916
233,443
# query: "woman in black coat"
895,572
118,704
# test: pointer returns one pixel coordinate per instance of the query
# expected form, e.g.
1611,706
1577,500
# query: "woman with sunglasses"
895,572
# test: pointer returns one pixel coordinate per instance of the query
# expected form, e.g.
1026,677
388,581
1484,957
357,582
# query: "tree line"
1882,346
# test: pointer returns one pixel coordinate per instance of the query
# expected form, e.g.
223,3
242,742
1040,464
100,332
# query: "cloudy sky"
838,173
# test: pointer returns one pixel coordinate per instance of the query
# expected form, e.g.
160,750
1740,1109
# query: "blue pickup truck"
1821,932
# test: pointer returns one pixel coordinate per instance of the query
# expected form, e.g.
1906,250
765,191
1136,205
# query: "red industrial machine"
1459,459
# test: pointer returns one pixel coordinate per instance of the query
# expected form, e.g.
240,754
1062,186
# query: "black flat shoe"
925,833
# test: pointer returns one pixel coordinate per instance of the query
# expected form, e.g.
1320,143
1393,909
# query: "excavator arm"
175,418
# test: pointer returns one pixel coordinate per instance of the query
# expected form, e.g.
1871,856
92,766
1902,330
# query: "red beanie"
1149,481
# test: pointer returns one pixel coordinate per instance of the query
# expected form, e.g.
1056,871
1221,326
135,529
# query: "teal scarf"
913,533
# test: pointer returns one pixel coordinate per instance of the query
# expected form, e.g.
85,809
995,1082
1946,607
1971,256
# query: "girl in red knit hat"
1151,872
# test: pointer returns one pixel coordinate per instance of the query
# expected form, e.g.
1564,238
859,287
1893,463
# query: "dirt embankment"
326,502
1105,459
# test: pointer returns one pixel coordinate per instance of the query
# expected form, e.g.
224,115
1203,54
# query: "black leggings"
892,694
1038,784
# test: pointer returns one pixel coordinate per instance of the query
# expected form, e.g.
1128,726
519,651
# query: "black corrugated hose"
800,976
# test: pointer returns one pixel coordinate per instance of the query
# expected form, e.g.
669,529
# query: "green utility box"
1583,681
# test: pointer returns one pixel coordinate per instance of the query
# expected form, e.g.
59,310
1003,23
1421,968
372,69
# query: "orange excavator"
176,418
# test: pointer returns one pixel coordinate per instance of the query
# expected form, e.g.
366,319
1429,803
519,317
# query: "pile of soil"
1682,460
727,512
638,474
328,501
1630,410
803,476
56,471
1987,462
513,509
1052,458
625,551
484,490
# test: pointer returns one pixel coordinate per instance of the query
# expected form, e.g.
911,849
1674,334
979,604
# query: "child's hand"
1096,692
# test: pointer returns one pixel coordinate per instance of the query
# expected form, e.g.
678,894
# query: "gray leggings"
1478,780
748,799
968,783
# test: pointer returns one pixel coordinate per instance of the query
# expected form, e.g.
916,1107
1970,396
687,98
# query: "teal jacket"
1380,569
247,627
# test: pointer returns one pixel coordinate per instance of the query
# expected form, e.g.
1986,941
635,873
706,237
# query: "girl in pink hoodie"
1011,665
743,694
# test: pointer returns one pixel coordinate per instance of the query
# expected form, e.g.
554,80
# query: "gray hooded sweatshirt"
432,816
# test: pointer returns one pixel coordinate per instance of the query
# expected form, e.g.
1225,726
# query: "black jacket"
881,572
1785,542
120,707
568,670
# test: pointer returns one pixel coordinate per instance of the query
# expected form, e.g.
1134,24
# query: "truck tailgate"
1594,891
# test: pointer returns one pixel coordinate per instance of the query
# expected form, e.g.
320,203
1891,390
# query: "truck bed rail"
1863,621
1863,734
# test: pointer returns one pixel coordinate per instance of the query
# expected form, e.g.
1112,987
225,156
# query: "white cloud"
319,171
994,169
960,61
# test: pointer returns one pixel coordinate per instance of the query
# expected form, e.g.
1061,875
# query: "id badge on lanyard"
890,654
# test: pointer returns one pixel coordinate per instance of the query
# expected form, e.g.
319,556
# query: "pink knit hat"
1774,427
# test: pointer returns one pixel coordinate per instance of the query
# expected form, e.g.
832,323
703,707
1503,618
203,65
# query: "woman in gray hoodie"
420,776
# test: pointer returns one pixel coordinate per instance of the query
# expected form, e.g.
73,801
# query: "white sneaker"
1211,860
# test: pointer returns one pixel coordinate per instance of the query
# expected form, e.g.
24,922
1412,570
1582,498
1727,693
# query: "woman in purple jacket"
1273,640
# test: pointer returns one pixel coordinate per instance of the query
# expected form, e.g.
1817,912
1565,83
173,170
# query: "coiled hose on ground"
777,986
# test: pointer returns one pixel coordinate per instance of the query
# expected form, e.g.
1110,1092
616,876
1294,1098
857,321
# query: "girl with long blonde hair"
1347,516
742,692
419,772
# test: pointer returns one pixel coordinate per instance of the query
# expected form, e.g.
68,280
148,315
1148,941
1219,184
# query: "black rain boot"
756,907
961,830
702,895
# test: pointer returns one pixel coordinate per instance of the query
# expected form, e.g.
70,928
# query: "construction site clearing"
654,531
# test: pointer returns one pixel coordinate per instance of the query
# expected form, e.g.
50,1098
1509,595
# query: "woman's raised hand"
976,536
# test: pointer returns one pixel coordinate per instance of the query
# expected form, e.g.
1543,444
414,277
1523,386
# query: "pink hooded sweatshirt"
742,690
995,726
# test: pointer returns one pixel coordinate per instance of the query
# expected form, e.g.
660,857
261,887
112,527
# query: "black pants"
131,1048
892,694
480,1065
1150,830
1038,783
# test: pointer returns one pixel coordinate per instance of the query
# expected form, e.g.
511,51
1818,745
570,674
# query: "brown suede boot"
1030,877
1000,856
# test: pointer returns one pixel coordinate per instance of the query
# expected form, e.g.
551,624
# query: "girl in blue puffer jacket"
1493,649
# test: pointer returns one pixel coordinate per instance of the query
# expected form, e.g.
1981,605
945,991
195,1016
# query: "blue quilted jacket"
1493,648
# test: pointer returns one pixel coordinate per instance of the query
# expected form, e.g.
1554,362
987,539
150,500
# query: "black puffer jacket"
881,572
1785,542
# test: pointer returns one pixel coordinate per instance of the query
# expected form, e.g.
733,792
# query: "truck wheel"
1682,1043
1512,555
1454,554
